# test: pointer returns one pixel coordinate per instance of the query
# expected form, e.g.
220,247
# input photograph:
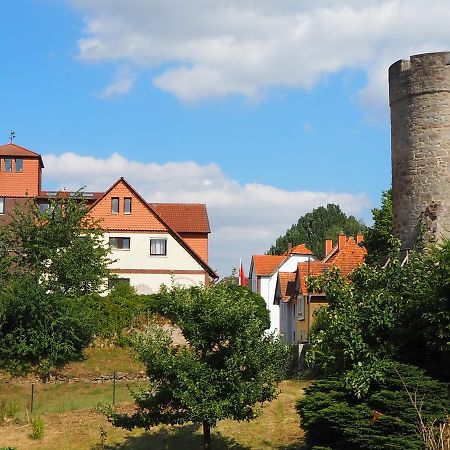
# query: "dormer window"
7,165
127,205
115,205
19,165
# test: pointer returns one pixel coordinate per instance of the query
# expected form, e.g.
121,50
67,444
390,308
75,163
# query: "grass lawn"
276,428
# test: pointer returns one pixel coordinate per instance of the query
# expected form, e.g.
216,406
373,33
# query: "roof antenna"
12,136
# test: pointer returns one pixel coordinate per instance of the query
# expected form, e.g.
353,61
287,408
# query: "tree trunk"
206,435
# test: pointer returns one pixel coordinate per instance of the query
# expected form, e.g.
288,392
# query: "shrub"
37,428
384,420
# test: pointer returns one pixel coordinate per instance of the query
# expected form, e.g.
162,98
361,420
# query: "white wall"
138,257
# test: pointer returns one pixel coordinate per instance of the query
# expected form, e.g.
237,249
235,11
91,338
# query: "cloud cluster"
206,49
245,218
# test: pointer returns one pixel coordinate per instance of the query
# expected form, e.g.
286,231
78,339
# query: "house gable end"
141,217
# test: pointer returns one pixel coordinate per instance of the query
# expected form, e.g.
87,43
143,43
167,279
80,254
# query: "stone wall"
419,97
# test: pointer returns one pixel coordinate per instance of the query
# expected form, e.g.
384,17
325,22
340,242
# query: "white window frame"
2,205
127,200
113,243
10,165
301,307
15,165
113,210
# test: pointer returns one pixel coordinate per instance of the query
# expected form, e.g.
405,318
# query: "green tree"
61,247
379,239
384,420
47,262
400,311
314,227
40,330
226,366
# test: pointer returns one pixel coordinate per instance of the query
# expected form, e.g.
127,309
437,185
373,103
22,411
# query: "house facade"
151,244
296,302
263,274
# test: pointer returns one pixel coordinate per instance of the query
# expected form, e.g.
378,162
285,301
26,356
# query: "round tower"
419,97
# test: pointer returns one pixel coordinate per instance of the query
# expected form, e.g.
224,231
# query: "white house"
264,274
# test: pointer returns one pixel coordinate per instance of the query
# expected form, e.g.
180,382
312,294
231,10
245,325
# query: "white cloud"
245,218
122,84
211,49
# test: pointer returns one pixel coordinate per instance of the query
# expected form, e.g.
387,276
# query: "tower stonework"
419,97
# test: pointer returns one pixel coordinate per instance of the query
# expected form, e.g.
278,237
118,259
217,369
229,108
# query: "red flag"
241,274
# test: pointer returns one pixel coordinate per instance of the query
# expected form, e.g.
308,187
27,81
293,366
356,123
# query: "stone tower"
419,97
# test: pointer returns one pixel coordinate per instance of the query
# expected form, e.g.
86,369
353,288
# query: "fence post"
114,389
32,398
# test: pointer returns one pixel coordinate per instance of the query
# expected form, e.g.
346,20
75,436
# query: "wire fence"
20,401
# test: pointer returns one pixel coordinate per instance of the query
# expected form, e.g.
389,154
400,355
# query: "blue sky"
261,109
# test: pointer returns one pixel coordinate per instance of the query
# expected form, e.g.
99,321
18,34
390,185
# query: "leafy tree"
61,247
379,239
314,227
47,261
226,366
400,311
40,330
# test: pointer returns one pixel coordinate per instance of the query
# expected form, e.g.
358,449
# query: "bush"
384,420
40,330
122,308
37,428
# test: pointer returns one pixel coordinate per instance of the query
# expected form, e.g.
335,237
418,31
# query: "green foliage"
61,247
37,428
314,227
122,308
227,365
40,330
401,312
379,239
385,419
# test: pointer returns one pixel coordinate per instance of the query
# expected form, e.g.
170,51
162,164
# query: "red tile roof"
305,269
286,285
265,265
184,217
301,249
14,150
347,258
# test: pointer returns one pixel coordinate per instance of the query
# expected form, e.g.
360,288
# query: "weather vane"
12,135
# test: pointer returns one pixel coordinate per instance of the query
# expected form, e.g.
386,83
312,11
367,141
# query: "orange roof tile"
347,258
305,269
184,217
286,284
14,150
265,265
301,249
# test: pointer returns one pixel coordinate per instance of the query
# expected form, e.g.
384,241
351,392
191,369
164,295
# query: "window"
158,247
2,205
114,281
8,165
115,205
301,307
127,205
44,206
119,243
19,165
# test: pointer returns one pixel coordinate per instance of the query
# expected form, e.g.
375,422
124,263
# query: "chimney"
342,239
328,246
359,238
289,248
